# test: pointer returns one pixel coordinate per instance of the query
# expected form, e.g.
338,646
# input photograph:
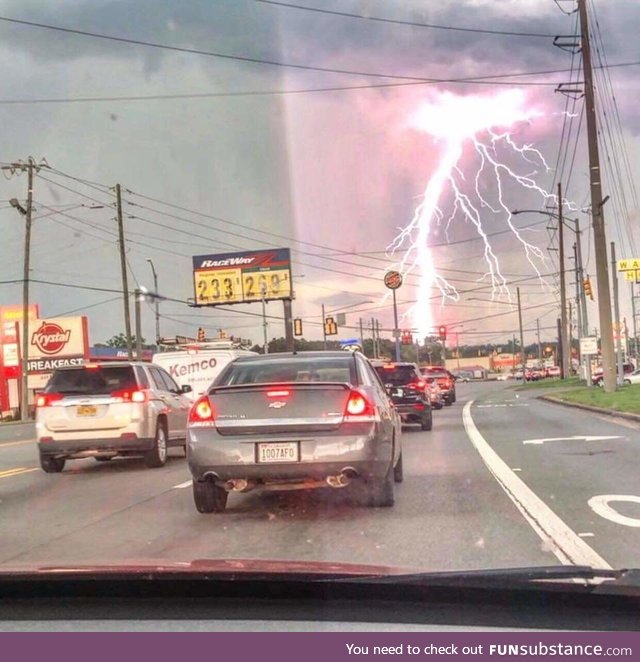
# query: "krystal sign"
57,343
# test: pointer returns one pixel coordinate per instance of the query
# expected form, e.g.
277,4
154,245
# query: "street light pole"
157,306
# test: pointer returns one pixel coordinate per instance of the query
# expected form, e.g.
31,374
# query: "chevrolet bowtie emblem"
278,404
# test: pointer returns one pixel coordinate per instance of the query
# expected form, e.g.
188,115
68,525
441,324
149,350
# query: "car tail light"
46,399
282,393
201,413
359,407
130,395
419,406
419,385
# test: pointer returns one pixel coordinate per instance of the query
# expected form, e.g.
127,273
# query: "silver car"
294,421
108,409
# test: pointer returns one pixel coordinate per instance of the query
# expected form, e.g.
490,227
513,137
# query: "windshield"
349,273
341,370
100,380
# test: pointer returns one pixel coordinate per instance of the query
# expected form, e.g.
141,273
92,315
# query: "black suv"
408,392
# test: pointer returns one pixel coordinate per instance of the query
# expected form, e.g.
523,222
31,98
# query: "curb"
595,410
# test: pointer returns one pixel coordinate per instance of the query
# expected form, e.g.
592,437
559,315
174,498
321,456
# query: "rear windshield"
91,381
270,371
427,372
397,375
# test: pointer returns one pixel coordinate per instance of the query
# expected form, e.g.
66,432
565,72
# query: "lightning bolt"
482,127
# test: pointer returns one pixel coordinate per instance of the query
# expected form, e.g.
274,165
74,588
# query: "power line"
432,26
276,63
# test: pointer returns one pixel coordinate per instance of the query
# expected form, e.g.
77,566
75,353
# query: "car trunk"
277,408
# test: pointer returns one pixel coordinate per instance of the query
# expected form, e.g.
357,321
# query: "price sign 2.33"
218,286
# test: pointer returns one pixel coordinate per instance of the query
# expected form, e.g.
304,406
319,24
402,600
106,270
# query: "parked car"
109,409
445,380
632,377
553,371
598,374
294,421
408,391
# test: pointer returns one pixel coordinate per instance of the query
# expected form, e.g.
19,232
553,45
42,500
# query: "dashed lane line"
565,543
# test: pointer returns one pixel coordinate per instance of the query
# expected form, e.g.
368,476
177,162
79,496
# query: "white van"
197,365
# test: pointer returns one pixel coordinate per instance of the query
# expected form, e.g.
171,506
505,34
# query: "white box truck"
198,364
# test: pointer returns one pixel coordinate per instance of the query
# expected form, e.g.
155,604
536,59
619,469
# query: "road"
502,480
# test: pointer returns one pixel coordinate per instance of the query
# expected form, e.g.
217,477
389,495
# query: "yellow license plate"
86,410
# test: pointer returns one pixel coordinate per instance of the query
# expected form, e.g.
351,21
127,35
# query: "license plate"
86,410
270,453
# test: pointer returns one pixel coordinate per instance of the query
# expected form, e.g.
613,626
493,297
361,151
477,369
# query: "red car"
445,380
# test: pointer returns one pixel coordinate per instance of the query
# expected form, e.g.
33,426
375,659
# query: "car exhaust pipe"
341,480
238,485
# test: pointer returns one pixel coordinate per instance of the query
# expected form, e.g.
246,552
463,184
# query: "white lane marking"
568,547
507,405
187,483
516,469
586,534
575,437
600,506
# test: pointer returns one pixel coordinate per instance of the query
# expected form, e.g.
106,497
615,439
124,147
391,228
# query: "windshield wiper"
500,576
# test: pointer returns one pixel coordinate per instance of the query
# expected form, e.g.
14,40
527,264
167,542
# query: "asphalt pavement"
502,480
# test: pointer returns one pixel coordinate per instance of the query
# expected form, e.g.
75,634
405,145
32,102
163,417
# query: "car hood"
204,566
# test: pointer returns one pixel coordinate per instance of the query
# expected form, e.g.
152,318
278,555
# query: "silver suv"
110,409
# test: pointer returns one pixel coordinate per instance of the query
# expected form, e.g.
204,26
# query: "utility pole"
616,305
361,336
563,292
584,331
324,329
634,325
599,235
288,325
123,268
570,342
373,338
560,357
138,298
578,307
265,339
539,345
377,338
157,299
522,353
30,166
458,348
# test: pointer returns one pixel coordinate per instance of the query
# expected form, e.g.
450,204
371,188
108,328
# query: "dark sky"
325,172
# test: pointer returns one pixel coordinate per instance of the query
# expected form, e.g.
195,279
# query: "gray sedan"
294,421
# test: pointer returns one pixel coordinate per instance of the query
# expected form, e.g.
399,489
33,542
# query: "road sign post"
393,280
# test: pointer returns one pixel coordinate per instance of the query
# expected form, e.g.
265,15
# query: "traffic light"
201,335
587,288
407,338
297,327
330,327
442,332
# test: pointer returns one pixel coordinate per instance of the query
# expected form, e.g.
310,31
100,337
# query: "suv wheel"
51,465
208,497
157,456
398,474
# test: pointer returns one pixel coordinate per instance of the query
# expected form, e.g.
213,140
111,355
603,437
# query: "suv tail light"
359,407
130,395
46,399
419,385
201,413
